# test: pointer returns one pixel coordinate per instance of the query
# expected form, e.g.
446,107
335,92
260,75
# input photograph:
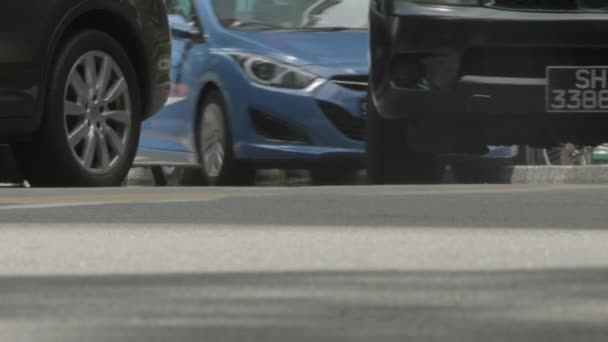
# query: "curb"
596,174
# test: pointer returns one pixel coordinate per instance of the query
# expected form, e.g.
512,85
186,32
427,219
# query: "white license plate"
577,89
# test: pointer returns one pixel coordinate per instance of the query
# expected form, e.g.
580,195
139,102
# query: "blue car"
262,84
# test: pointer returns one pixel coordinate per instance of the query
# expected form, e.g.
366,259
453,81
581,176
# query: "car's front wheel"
215,151
480,172
91,123
390,159
333,175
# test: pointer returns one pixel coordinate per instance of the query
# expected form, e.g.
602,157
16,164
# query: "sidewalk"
596,174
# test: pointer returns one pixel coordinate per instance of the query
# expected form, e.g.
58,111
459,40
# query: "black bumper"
477,62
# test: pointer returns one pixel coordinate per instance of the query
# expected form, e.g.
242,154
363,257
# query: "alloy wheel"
213,140
97,112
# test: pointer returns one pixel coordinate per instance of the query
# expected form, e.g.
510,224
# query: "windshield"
293,14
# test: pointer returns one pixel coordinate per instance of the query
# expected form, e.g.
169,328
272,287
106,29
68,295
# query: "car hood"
340,48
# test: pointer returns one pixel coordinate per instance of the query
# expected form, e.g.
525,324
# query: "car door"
23,31
172,128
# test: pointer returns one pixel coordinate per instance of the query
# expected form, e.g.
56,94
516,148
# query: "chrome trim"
504,80
363,84
315,84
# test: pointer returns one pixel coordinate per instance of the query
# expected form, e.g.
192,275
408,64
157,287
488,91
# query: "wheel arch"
110,20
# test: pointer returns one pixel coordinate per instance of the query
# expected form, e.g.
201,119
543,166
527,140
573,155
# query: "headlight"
447,2
275,74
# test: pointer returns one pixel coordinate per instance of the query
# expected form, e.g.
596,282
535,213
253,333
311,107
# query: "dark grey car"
76,79
454,76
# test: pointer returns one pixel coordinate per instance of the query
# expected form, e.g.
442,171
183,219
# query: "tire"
390,160
480,172
167,175
229,171
8,171
333,176
93,141
177,176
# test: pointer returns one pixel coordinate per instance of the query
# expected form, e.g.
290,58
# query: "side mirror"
184,29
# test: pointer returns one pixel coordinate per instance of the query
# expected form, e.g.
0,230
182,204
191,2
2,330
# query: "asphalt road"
441,263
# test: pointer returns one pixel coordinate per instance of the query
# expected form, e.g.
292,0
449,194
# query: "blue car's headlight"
267,72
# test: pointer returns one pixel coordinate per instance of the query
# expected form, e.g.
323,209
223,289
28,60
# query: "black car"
454,76
77,77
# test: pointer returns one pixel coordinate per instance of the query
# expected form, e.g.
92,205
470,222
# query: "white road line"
152,249
49,206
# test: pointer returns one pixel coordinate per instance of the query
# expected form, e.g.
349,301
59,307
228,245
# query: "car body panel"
487,73
22,42
31,32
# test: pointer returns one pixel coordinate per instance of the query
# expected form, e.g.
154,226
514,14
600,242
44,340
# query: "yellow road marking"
119,198
490,191
149,197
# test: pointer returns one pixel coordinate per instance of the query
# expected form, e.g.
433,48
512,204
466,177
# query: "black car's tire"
170,176
390,160
49,159
180,176
232,171
529,156
333,176
8,172
481,172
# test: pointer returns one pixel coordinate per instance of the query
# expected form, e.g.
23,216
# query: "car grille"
550,5
527,62
357,82
351,126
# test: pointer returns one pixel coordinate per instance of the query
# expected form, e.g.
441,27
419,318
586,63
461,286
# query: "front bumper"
299,128
476,75
476,60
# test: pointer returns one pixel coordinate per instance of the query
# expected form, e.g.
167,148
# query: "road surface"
422,263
